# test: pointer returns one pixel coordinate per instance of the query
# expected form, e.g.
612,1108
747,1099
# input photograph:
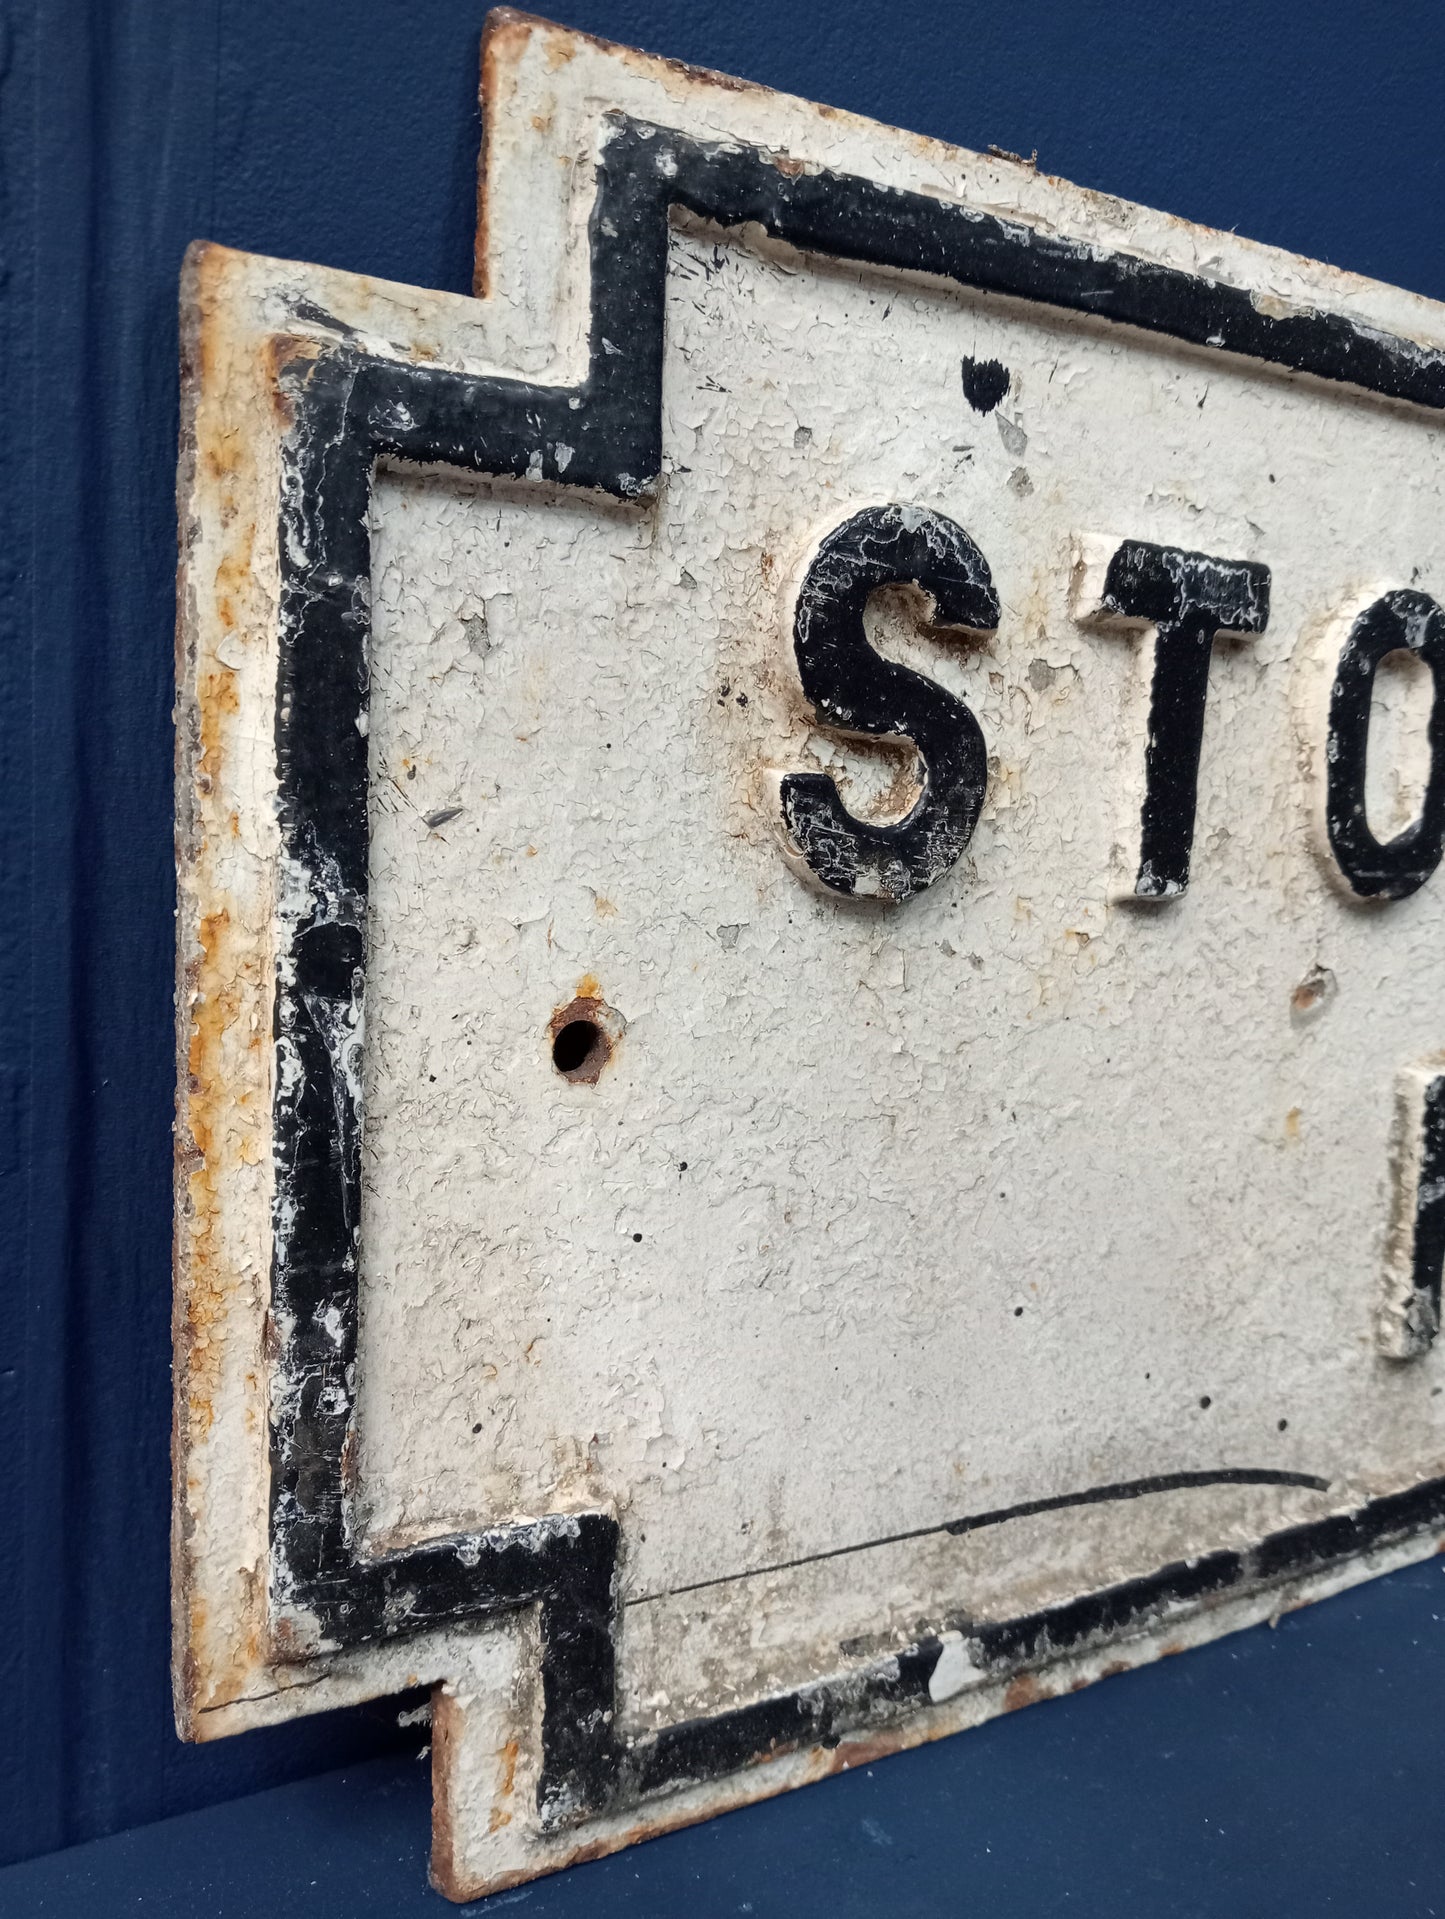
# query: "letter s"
855,690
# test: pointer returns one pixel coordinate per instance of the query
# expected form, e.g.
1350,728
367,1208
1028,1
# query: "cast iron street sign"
810,955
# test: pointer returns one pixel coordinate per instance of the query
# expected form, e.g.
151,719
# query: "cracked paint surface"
1003,1083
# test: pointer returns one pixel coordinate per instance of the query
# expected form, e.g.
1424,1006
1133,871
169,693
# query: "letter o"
1399,622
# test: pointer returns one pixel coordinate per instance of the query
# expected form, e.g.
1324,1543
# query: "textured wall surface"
131,129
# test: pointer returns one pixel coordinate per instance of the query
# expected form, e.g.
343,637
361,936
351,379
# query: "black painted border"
351,410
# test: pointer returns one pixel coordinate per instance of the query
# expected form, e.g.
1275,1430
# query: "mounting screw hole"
579,1049
582,1036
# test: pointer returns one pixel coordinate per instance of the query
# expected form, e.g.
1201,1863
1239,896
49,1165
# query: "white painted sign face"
810,956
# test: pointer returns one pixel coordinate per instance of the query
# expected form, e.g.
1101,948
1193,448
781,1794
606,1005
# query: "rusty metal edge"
221,975
183,1681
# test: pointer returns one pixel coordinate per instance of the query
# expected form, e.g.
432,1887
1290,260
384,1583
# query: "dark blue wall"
347,133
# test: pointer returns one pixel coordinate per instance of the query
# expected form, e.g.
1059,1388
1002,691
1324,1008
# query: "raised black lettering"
1187,598
1400,622
855,690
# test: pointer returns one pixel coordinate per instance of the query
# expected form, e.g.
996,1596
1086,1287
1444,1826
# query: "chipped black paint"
1187,598
888,1689
1408,622
985,382
857,691
352,411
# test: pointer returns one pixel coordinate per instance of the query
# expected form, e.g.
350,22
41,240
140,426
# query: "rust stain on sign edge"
223,978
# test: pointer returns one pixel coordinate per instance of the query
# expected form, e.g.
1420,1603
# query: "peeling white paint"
953,1671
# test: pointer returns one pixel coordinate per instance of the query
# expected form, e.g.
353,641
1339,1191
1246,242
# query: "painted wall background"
349,135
